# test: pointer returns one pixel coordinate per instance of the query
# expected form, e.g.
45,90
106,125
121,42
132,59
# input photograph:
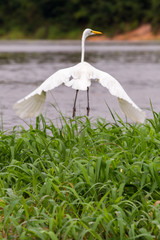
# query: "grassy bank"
82,180
49,33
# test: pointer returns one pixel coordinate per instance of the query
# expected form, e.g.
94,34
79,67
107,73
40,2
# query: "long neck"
83,48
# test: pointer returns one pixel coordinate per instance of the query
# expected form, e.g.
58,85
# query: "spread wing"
129,108
32,104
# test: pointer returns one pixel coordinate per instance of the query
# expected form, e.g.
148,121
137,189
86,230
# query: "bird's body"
79,77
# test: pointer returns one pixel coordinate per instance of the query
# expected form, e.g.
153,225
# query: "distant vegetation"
66,19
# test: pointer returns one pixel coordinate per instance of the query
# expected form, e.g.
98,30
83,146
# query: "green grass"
82,180
43,32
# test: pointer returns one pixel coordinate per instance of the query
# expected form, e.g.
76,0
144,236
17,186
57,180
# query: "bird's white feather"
80,77
32,104
30,107
129,108
76,77
134,113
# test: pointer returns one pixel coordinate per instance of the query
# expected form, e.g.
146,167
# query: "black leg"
88,108
74,107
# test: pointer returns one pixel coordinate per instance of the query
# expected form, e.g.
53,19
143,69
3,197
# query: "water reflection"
24,65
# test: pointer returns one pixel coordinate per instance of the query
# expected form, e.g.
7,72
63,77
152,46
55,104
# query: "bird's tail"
30,107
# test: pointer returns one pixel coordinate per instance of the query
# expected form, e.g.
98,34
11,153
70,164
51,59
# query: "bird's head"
88,32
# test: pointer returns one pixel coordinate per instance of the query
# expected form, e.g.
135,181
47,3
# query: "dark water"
24,65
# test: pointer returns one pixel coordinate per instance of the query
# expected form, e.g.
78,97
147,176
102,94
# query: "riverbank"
142,33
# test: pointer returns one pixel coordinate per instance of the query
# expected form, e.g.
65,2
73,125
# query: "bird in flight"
79,77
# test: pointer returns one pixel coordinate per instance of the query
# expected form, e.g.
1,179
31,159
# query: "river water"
24,65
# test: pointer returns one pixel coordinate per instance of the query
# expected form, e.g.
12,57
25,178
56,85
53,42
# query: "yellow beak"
96,32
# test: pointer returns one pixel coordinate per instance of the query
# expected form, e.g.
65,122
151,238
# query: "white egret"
78,77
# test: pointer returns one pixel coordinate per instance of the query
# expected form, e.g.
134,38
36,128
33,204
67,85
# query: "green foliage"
81,181
47,18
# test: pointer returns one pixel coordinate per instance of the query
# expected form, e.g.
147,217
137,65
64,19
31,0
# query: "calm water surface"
24,65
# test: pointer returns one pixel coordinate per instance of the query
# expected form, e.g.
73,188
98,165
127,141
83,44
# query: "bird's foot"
88,109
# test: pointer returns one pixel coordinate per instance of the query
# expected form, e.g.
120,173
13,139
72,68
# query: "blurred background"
39,37
61,19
